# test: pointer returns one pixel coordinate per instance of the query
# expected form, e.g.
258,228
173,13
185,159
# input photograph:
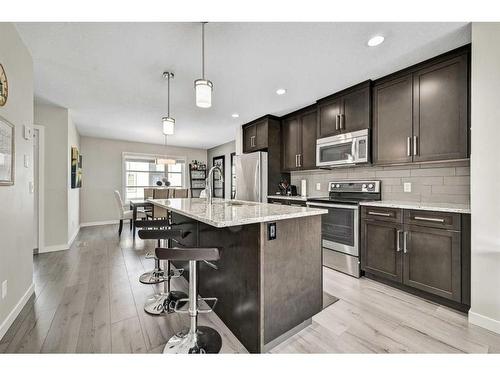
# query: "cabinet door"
432,261
441,111
261,135
307,152
249,135
392,121
380,254
355,111
329,118
291,133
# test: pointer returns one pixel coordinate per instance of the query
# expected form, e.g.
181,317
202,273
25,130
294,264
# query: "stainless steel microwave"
343,149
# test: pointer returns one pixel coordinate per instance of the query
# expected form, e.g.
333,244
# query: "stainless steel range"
340,227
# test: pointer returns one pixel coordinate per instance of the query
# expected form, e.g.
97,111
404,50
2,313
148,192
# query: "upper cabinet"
256,134
298,138
344,112
422,113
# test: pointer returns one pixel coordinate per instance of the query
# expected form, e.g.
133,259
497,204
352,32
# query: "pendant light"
168,122
203,87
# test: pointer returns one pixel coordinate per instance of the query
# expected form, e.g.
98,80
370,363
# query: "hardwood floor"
89,300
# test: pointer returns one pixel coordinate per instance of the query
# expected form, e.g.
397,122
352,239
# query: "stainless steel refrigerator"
251,177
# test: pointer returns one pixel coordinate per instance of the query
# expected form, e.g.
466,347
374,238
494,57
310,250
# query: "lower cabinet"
380,249
419,250
287,202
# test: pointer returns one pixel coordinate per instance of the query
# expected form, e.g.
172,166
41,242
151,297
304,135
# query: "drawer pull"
433,219
385,214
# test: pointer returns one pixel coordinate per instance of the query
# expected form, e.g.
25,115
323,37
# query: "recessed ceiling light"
281,91
235,115
375,41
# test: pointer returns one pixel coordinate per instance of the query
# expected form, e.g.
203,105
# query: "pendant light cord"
168,95
203,50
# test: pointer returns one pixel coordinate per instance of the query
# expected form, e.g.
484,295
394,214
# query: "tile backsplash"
444,182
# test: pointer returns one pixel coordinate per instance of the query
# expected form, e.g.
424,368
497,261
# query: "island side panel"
236,283
292,276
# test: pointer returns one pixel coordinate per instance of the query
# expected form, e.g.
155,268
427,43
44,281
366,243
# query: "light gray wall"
444,182
55,121
485,176
102,173
225,149
16,202
73,194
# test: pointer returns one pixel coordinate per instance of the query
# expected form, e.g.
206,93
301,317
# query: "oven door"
340,227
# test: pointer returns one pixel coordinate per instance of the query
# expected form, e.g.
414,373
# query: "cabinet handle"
408,146
296,163
398,245
252,140
415,149
379,213
337,120
342,122
433,219
300,160
405,250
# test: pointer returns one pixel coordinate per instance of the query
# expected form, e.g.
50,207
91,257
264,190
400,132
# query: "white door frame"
41,187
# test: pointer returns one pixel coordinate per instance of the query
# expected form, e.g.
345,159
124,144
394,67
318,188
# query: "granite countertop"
289,197
440,207
226,213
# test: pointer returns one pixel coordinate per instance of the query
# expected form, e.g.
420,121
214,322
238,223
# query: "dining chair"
126,214
160,194
180,193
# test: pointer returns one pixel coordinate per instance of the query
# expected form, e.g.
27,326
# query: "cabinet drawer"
381,213
433,219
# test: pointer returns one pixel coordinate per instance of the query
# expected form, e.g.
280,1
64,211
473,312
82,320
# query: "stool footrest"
184,301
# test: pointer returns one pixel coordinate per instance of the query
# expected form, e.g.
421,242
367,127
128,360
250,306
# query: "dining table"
134,205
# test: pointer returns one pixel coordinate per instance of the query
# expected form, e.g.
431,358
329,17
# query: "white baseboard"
49,249
96,223
484,321
5,325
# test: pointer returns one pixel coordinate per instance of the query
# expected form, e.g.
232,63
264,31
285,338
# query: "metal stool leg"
197,340
163,302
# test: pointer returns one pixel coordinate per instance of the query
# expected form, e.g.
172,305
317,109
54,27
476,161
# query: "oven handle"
332,205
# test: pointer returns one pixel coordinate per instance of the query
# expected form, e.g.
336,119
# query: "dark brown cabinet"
255,136
432,261
344,112
299,140
392,121
421,114
440,110
381,249
422,251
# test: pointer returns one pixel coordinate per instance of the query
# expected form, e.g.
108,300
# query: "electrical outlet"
407,187
318,186
4,289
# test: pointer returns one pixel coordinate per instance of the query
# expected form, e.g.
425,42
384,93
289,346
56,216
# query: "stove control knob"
337,186
370,186
364,186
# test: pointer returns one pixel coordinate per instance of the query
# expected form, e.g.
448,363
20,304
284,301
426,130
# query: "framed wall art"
7,152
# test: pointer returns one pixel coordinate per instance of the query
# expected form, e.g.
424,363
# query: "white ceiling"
110,74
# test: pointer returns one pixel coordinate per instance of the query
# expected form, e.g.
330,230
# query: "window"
141,171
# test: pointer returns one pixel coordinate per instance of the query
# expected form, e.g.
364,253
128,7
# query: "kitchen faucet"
208,183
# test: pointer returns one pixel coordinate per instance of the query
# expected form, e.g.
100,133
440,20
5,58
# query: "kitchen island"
269,278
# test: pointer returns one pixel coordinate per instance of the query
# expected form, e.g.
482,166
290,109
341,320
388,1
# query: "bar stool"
196,339
157,275
164,301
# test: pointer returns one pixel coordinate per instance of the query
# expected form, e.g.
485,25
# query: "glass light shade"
168,125
203,93
165,161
